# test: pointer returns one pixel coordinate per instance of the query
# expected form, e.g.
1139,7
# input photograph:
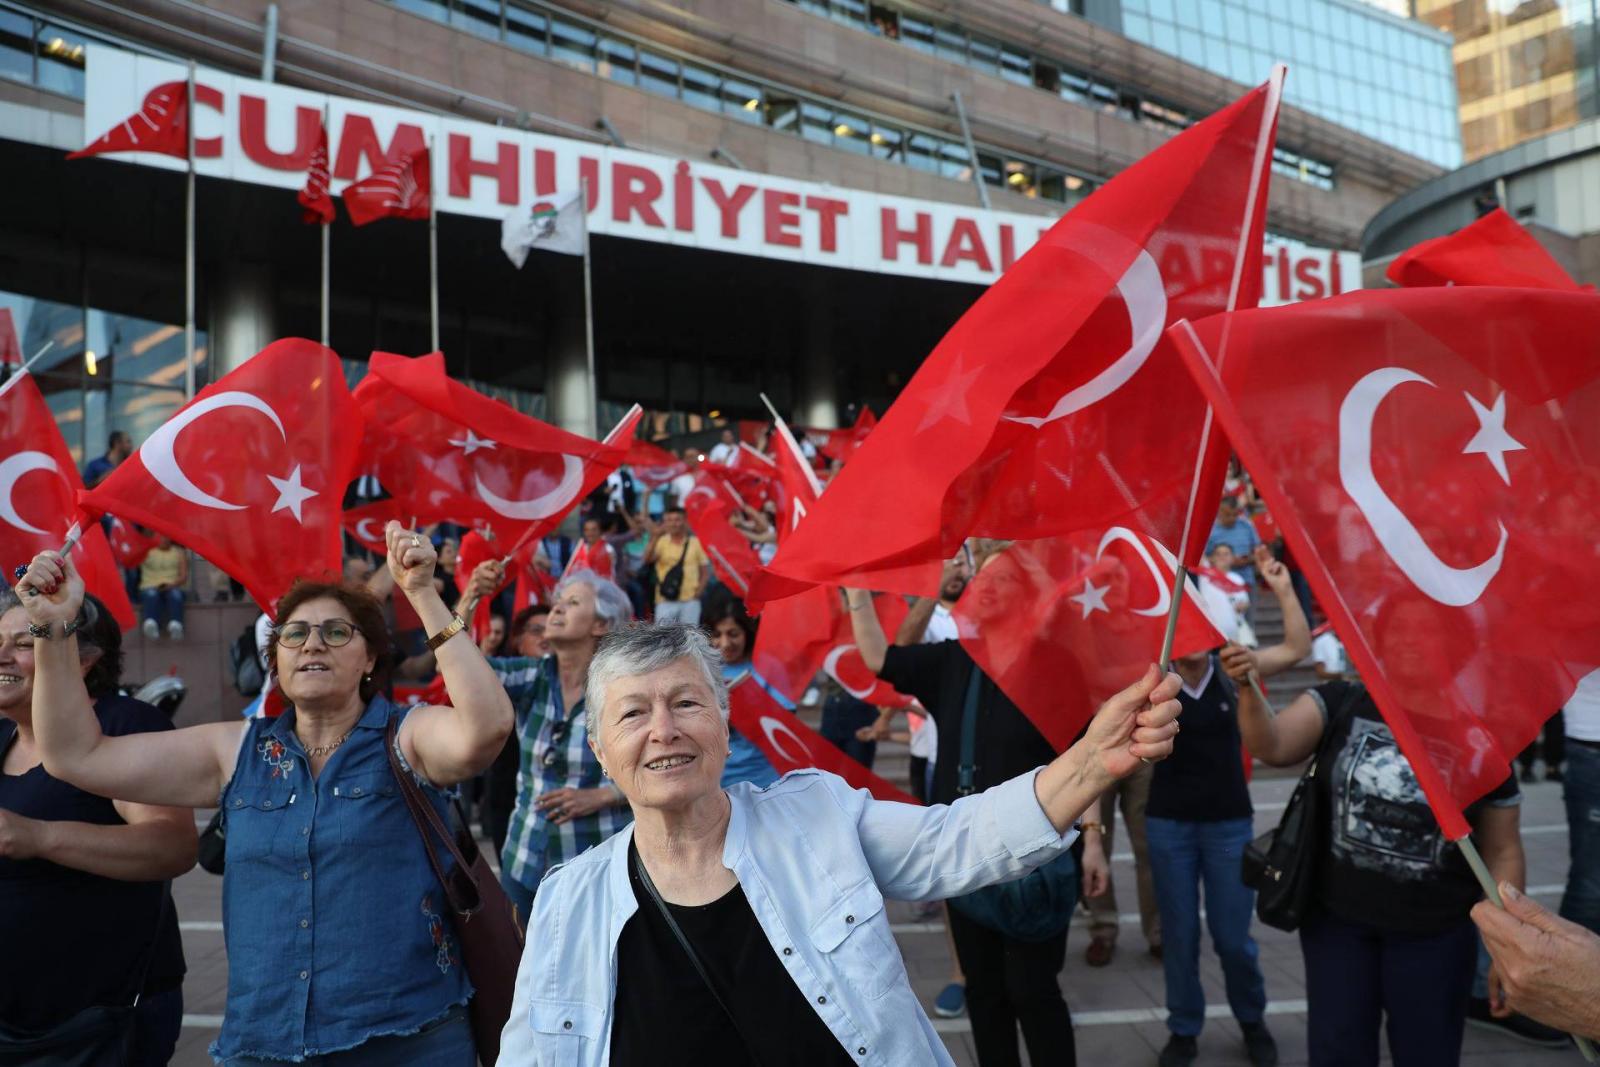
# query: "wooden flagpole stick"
433,252
1486,882
188,249
48,345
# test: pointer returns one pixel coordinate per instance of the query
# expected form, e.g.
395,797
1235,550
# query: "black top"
1386,864
1007,744
1203,779
664,1013
72,939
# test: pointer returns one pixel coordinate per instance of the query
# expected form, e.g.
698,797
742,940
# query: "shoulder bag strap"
694,957
967,770
427,820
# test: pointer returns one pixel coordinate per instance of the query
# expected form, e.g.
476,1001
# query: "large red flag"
39,488
790,744
161,125
10,348
710,509
1494,250
313,197
400,189
129,545
842,444
844,664
654,465
1050,407
366,522
1433,459
1062,623
446,451
251,473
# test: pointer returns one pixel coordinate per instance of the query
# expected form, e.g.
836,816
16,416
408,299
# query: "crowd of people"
682,901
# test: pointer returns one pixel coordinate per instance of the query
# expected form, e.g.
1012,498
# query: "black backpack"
244,663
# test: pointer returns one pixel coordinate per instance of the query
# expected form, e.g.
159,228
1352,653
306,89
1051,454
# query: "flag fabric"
597,558
313,196
445,450
161,125
1051,406
10,347
653,465
400,189
476,549
844,664
1494,250
842,444
129,544
799,489
790,744
39,488
366,523
553,224
710,509
1432,457
251,473
1060,646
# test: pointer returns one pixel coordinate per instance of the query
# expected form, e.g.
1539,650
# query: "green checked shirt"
555,754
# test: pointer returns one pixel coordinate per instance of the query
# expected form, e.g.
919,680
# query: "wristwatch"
44,631
455,626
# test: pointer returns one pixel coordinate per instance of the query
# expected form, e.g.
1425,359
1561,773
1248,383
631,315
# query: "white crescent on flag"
543,506
159,460
12,469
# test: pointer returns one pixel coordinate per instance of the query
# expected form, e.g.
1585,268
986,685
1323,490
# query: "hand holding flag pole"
74,535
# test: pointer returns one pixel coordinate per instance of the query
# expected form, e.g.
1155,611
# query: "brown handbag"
486,923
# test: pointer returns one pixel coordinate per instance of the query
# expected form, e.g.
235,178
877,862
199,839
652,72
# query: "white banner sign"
260,132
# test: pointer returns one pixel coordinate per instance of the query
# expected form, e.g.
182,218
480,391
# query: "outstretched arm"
867,630
1296,643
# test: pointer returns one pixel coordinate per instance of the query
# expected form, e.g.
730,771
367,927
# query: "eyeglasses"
557,752
335,633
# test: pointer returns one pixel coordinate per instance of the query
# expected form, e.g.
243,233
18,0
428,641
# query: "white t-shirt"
1328,651
722,452
1583,710
941,627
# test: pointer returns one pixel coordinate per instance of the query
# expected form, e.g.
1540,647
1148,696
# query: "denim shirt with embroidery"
336,928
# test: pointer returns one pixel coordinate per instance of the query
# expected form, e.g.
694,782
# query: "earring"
604,773
365,678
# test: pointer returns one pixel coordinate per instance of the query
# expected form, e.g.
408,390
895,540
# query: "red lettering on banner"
1335,282
208,147
965,242
358,140
253,135
1008,246
635,189
828,212
780,210
682,198
893,236
463,168
544,172
729,204
1283,274
1311,286
589,173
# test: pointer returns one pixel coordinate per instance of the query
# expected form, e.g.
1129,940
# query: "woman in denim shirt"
747,925
340,943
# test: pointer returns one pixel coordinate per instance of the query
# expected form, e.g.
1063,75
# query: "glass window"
1165,37
572,44
816,124
851,132
883,21
16,46
917,33
950,44
742,100
61,60
528,30
922,152
1191,47
658,73
1016,67
428,9
985,55
783,113
954,162
1137,27
887,142
702,87
1021,178
1162,9
991,168
617,61
1046,77
481,17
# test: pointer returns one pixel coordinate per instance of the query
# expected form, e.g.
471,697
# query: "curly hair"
366,612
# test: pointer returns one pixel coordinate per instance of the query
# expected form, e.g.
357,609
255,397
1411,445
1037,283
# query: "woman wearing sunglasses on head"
340,944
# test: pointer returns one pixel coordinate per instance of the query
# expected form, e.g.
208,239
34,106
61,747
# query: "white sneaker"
152,630
175,630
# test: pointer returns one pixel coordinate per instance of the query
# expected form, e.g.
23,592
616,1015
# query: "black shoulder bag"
1281,864
672,582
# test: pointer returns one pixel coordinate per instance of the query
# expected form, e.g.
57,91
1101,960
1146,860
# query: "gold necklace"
324,750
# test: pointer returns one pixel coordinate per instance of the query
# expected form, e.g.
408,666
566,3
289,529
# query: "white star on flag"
951,400
1492,439
291,493
1092,599
471,443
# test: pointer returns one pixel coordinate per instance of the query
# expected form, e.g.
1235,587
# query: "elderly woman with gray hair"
747,925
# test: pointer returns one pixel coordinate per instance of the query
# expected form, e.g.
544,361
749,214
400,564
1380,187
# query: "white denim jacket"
815,859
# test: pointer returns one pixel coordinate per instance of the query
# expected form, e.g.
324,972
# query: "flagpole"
433,252
588,308
188,245
327,241
20,371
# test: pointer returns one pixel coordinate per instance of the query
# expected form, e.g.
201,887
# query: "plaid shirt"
555,754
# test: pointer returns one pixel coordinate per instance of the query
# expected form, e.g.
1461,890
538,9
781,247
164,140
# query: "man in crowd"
119,448
726,448
593,553
1233,529
682,568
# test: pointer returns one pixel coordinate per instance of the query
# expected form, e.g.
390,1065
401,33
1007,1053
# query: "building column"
817,392
569,392
242,319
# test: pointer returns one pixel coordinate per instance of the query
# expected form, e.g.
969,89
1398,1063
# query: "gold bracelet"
1085,827
455,626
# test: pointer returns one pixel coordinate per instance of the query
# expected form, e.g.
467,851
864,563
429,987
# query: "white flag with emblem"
551,224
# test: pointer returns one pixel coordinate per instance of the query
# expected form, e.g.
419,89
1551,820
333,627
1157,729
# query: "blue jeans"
1183,856
157,1021
445,1042
1581,790
153,600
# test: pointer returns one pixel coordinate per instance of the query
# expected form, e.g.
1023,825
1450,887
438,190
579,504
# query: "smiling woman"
749,923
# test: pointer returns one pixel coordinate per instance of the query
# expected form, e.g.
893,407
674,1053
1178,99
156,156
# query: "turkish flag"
313,197
445,450
1058,647
798,486
39,488
129,545
366,523
709,507
790,744
161,125
1433,459
597,558
10,348
535,585
1494,250
653,465
251,473
1051,406
842,444
400,189
475,548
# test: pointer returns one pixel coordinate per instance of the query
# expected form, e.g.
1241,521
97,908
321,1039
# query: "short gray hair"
643,648
610,602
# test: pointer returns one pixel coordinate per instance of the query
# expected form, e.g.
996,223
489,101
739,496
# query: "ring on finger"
416,541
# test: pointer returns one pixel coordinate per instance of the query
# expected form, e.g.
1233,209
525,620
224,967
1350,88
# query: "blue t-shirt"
96,469
747,763
1242,538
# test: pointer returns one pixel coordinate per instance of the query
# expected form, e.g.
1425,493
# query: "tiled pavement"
1118,1010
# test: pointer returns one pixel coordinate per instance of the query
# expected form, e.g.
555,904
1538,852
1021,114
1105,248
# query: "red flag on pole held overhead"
444,450
710,508
1051,406
314,196
10,347
251,473
160,125
1432,457
39,488
842,444
653,465
790,744
400,189
129,545
843,662
1494,250
366,522
1062,623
